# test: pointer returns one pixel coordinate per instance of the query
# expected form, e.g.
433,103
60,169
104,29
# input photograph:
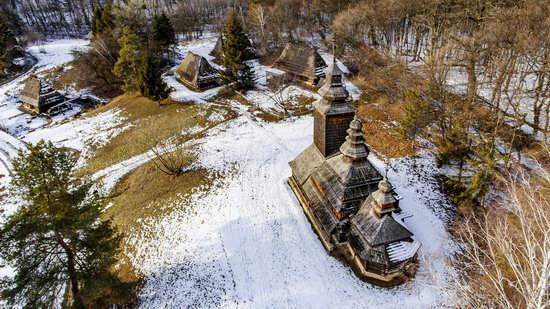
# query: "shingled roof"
31,91
196,72
343,180
39,96
302,61
380,237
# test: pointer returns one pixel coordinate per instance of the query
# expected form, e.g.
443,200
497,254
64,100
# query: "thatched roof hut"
217,50
301,61
197,73
39,97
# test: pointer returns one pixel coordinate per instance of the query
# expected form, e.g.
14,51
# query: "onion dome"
384,197
334,89
354,148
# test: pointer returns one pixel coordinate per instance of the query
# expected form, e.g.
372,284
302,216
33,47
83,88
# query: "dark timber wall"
330,131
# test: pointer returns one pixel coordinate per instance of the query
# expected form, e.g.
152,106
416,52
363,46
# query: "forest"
467,80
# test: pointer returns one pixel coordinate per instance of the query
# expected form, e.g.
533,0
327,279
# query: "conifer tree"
416,116
129,59
236,50
5,36
102,18
151,84
57,239
163,31
483,165
96,25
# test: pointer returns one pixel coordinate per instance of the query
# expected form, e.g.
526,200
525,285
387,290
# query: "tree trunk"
71,270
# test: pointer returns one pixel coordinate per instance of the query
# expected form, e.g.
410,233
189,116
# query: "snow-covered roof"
402,250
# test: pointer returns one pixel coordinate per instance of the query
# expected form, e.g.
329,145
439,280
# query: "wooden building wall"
330,131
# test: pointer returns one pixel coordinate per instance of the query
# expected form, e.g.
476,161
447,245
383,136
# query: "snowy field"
247,243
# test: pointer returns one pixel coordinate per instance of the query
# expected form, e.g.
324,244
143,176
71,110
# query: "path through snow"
247,244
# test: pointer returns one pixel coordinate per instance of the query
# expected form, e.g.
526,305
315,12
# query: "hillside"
435,196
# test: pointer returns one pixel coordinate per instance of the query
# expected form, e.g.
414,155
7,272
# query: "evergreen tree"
102,19
151,84
96,25
483,164
5,37
236,50
56,239
416,115
129,59
163,32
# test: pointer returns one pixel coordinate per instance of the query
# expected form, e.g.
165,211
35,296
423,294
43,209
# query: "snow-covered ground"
49,55
247,244
244,243
16,123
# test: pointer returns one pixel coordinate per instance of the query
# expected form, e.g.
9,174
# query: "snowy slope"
247,243
53,54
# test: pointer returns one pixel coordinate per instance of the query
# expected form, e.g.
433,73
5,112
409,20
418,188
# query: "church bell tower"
333,113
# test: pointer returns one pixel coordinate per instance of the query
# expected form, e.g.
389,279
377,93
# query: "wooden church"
351,206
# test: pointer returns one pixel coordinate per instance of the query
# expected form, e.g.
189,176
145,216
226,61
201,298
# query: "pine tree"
5,37
107,17
483,164
129,59
96,24
102,18
163,32
57,239
151,84
236,50
416,115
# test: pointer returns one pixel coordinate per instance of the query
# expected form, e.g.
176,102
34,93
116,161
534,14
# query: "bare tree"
505,257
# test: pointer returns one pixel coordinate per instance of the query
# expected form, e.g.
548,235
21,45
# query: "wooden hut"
303,62
197,73
39,97
333,179
217,50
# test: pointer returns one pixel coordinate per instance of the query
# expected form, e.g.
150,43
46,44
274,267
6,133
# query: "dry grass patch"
381,129
147,193
151,124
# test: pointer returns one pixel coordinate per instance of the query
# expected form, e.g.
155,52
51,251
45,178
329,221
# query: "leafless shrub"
171,157
505,258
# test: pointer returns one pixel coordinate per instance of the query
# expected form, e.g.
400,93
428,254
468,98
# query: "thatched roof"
31,91
196,71
301,60
217,50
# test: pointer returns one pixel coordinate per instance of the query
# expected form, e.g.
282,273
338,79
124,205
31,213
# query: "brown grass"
146,193
150,124
381,131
